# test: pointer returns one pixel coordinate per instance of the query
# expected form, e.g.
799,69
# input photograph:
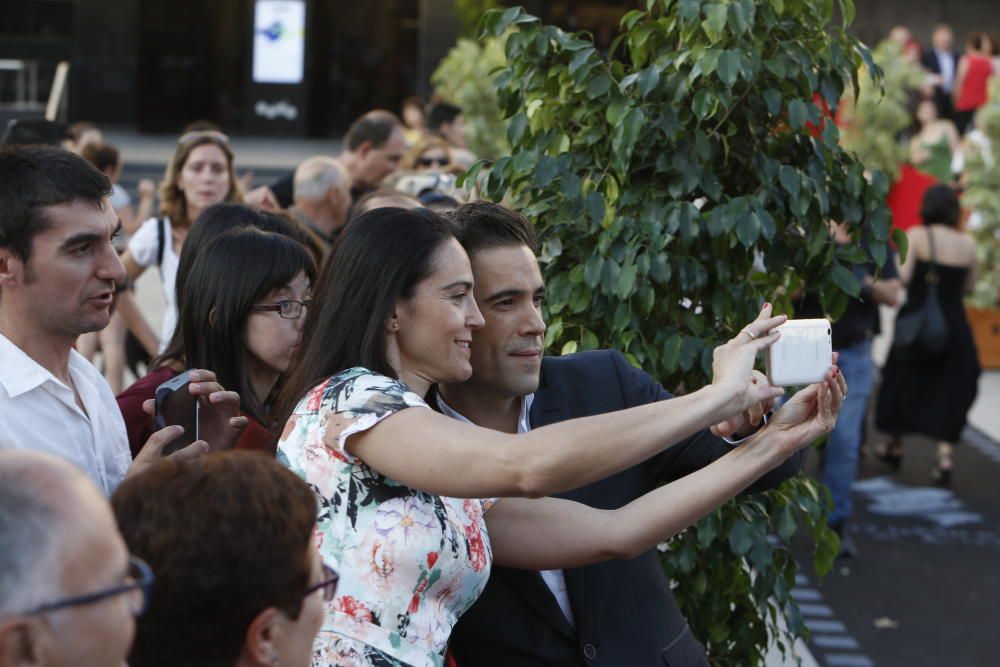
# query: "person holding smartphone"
58,273
397,481
244,293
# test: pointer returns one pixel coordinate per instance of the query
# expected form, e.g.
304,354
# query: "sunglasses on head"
214,135
431,161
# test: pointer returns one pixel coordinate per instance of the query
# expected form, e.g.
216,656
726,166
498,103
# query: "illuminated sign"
279,41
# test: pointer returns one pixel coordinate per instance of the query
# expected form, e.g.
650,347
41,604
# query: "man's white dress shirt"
554,579
947,61
40,413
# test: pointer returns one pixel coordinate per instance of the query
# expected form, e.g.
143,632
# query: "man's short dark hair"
34,177
103,156
375,127
483,225
440,114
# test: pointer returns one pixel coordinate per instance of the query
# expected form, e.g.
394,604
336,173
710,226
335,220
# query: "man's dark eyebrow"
511,294
85,237
88,237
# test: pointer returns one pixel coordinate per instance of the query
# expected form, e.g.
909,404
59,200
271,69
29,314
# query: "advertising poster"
279,43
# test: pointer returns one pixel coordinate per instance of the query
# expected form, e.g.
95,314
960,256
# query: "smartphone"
176,405
802,355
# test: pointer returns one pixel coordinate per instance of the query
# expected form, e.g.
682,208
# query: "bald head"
58,542
39,495
315,177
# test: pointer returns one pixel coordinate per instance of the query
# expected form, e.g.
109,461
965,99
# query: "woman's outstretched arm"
434,453
550,533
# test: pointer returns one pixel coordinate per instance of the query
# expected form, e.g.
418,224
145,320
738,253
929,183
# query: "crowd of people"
385,462
377,425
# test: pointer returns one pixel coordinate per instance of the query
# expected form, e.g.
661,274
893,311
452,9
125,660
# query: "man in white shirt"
69,592
58,270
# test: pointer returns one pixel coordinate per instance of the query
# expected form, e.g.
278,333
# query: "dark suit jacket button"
589,652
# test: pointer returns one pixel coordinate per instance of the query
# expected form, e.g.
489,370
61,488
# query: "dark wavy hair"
232,273
378,259
240,549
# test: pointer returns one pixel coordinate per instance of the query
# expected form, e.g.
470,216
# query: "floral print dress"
410,562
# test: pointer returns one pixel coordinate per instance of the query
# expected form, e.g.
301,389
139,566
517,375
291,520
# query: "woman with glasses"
242,306
239,580
199,174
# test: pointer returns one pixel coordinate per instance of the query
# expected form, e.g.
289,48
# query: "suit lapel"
549,404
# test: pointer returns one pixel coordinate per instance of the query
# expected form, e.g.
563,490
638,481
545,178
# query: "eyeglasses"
328,584
137,586
289,310
214,135
431,161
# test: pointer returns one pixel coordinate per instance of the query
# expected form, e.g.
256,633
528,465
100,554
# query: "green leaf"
798,114
715,22
626,282
748,229
592,271
595,207
740,537
729,67
790,180
616,111
598,86
786,523
671,353
545,171
846,281
772,98
703,101
634,121
902,242
518,124
648,79
568,348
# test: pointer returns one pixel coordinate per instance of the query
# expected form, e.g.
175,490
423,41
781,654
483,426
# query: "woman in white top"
199,175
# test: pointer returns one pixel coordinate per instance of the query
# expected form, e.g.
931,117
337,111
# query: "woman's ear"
260,647
392,322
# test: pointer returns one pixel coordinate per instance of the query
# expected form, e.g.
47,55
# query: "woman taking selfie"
199,174
395,316
243,305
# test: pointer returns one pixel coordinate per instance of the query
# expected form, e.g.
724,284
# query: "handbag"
923,332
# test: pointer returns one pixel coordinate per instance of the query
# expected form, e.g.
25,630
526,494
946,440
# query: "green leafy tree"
874,122
469,13
676,184
465,77
982,194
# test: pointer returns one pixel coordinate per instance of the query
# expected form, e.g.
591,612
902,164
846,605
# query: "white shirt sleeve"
144,242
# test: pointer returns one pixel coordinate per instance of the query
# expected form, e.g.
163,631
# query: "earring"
395,326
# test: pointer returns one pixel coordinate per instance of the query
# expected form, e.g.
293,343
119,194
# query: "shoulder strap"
932,275
161,241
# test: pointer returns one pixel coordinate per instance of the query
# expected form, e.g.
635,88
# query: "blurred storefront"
298,67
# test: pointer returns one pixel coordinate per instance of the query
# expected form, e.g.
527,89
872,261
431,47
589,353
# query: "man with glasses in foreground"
69,591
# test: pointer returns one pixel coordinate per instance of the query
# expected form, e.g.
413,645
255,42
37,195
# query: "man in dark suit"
941,60
615,613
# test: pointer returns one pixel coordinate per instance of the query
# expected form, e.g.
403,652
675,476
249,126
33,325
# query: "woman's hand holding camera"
732,365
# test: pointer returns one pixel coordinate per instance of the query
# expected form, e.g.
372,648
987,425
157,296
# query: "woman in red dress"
974,71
